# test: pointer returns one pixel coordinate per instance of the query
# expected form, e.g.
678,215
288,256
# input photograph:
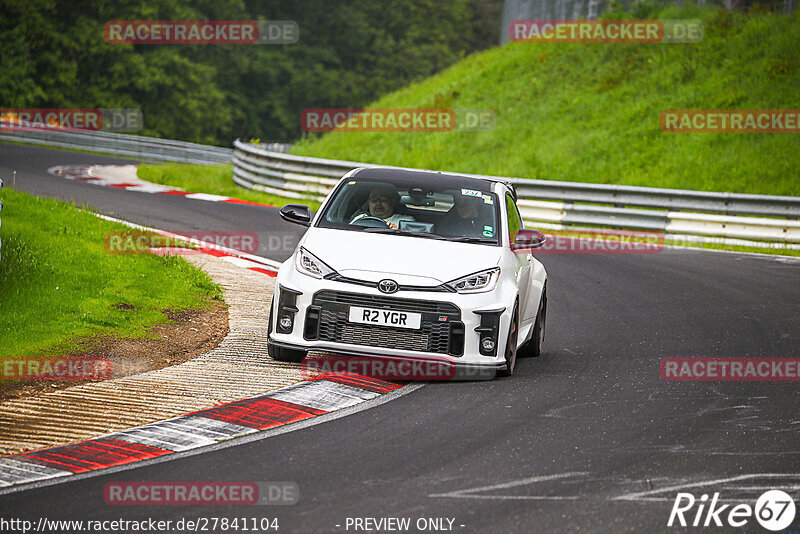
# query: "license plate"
396,319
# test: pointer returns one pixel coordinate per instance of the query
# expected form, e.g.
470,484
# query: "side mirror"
297,214
526,239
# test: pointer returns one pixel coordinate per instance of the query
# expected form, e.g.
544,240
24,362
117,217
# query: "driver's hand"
391,225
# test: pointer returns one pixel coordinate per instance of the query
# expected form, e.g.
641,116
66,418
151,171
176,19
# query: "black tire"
533,347
511,345
283,354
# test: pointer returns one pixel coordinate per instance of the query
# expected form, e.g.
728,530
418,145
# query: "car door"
523,263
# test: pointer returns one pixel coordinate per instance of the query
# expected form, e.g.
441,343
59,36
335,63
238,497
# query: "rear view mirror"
528,239
417,197
408,200
297,214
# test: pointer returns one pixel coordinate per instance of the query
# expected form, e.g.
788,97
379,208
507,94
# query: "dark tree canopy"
349,53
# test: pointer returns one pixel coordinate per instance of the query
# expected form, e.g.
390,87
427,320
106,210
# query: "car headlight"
477,282
307,263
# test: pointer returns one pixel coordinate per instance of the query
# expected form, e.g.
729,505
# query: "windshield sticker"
470,193
487,199
351,183
488,231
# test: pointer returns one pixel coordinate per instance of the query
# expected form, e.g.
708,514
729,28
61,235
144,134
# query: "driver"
382,201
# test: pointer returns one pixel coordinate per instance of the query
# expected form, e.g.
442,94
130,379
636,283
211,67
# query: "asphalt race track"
585,438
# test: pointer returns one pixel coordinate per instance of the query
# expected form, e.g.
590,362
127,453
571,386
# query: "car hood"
408,260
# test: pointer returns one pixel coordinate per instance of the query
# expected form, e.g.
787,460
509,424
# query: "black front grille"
434,334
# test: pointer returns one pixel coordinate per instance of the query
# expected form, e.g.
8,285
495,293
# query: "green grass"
590,112
212,179
58,286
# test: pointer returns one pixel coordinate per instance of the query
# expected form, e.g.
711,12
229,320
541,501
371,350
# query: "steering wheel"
371,222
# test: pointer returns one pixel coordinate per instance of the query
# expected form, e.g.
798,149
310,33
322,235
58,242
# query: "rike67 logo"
774,510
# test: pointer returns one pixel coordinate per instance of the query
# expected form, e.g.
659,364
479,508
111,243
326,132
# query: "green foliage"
590,112
58,285
349,53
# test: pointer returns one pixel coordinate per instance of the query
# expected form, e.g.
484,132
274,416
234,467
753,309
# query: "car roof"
449,180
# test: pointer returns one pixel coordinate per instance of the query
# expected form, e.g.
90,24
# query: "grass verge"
588,112
775,251
58,286
212,179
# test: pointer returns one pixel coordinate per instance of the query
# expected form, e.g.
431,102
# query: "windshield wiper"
460,239
402,232
464,239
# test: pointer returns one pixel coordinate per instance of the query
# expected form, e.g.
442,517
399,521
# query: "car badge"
387,286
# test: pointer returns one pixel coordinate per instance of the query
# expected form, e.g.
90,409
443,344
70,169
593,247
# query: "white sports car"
415,265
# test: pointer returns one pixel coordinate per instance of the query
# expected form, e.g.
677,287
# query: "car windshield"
417,209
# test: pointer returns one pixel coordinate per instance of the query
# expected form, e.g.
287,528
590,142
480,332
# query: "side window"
514,220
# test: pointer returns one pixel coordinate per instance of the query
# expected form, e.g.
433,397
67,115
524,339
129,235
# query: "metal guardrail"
256,167
148,148
569,204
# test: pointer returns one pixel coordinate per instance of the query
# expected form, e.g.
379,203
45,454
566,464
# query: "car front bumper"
452,329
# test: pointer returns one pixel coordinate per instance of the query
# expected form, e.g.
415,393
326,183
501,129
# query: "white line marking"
206,426
241,262
469,493
20,472
512,497
163,437
272,265
206,196
643,495
148,188
322,395
766,488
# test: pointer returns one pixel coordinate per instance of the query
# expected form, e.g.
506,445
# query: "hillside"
590,112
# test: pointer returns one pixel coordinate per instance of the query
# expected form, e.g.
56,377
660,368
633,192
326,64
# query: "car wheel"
533,347
283,354
511,345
